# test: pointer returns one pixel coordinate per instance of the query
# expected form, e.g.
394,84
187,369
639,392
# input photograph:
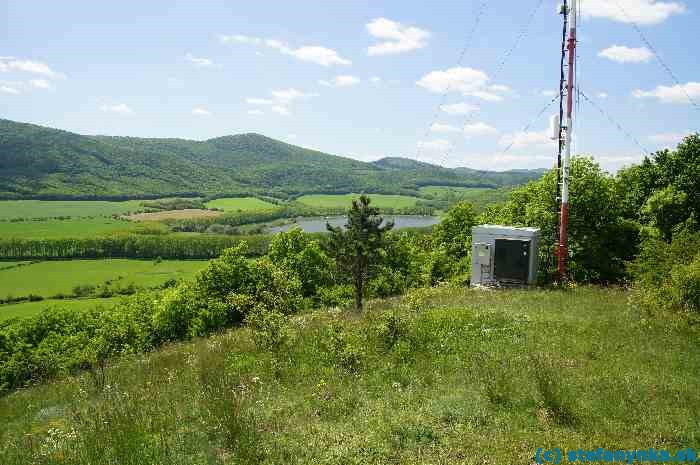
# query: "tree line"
168,246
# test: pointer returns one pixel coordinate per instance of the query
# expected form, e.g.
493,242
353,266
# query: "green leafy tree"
601,240
454,232
298,253
356,248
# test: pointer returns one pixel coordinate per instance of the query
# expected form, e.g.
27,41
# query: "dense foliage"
38,162
167,246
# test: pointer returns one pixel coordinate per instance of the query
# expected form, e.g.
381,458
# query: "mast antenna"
563,251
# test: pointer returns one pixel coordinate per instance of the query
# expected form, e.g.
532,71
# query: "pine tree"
356,248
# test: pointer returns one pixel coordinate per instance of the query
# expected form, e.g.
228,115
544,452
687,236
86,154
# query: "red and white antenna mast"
563,251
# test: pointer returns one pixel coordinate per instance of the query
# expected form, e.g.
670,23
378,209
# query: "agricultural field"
479,197
244,204
174,215
73,227
344,200
12,209
50,278
26,309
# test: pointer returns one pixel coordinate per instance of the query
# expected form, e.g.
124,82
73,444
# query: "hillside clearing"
442,376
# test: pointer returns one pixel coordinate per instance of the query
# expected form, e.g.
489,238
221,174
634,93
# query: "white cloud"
312,53
201,112
523,139
28,66
674,94
199,62
240,39
395,37
445,128
320,55
670,139
500,88
259,101
467,81
623,54
644,12
280,110
289,95
438,146
292,136
40,83
9,90
120,108
487,96
479,129
602,95
464,80
460,108
341,81
375,79
549,93
256,112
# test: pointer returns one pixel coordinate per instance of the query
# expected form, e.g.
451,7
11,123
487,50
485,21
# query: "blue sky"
358,78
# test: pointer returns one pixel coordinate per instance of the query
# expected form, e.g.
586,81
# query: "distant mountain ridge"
40,162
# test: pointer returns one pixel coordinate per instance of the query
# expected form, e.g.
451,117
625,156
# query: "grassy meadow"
240,204
478,196
343,200
54,277
73,227
445,375
11,209
27,309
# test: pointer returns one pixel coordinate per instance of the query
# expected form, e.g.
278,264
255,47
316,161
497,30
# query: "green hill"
40,162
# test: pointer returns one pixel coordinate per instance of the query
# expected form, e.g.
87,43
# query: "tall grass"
440,376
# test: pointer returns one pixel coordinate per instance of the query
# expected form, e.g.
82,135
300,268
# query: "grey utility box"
504,255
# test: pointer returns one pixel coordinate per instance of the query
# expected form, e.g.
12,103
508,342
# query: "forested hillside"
39,162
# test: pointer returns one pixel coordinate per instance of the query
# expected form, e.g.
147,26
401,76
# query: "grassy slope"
50,278
26,309
240,203
473,377
343,200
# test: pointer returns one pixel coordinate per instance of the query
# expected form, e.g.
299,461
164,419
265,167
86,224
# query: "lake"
314,225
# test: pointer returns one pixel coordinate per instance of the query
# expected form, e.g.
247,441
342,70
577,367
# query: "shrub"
302,256
268,327
336,296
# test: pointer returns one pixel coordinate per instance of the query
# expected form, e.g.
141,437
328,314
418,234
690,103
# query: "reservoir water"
314,225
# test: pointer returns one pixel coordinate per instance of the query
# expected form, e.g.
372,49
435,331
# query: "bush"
302,256
667,275
336,296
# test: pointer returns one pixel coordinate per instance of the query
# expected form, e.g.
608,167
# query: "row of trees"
168,246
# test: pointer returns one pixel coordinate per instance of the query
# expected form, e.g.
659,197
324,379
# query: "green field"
444,376
10,209
74,227
344,200
61,276
25,309
479,197
240,204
